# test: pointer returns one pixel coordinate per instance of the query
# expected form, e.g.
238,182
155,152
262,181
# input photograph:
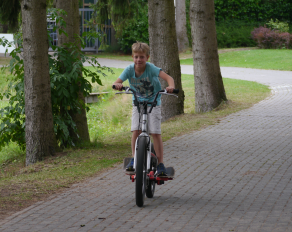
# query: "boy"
143,77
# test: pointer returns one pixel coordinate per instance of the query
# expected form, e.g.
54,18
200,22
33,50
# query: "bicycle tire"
150,187
141,171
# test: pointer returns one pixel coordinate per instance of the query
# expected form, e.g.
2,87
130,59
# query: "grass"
109,127
5,76
4,60
114,56
275,59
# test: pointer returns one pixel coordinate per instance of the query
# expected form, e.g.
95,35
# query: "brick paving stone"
234,175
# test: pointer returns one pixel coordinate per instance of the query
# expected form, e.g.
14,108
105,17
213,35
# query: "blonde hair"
140,47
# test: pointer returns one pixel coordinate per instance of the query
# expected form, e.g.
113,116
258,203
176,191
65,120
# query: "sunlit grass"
276,59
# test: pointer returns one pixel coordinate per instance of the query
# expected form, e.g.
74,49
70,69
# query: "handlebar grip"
114,87
175,91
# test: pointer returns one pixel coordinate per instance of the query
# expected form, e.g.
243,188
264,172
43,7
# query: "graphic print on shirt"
144,87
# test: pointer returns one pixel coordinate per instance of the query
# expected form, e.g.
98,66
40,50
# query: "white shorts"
154,120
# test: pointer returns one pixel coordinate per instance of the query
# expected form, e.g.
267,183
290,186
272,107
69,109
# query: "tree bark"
209,88
72,29
164,52
180,25
38,108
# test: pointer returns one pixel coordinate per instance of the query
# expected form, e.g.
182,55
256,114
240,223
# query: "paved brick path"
233,176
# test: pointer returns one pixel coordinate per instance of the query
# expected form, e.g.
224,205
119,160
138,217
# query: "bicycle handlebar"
153,104
176,91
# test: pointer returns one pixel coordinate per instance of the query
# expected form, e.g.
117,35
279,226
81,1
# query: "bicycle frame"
144,133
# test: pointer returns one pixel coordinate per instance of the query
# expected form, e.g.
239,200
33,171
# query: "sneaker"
130,165
161,171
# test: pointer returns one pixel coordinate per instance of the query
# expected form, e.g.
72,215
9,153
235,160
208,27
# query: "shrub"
268,38
253,10
232,34
280,26
136,30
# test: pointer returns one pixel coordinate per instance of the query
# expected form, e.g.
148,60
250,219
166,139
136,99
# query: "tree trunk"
72,28
209,88
164,52
180,25
38,108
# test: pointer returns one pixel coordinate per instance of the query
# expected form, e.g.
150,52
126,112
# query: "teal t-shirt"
147,84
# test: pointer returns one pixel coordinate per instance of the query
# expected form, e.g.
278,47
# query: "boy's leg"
158,146
130,165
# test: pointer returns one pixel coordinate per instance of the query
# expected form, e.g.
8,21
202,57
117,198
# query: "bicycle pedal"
130,172
170,172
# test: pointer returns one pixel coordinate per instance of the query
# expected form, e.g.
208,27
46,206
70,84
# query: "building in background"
86,13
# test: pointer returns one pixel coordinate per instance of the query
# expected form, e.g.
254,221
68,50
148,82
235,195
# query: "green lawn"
275,59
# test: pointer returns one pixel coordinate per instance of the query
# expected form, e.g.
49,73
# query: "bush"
232,34
136,30
253,10
268,38
280,26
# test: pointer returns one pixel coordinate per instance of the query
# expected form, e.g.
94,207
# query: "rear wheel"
141,171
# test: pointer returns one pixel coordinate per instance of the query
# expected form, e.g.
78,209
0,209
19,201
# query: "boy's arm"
118,84
169,81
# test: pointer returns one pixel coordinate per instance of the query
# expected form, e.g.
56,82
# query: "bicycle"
145,160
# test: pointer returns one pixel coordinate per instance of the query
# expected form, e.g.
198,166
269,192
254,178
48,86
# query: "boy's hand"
118,86
169,89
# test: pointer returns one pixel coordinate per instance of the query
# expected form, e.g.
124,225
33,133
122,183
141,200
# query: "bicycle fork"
144,133
148,152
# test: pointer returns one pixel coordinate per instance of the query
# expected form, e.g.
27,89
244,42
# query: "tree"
38,109
180,25
209,88
164,52
72,21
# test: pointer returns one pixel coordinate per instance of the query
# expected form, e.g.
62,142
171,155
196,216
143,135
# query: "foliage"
135,30
235,19
188,24
12,116
232,34
253,10
66,79
279,26
267,38
121,12
9,12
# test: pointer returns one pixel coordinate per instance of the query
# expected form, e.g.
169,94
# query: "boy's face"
140,59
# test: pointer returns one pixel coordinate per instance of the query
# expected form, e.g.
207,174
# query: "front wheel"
141,171
150,187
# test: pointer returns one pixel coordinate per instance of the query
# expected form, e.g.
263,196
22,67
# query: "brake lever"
166,93
127,89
